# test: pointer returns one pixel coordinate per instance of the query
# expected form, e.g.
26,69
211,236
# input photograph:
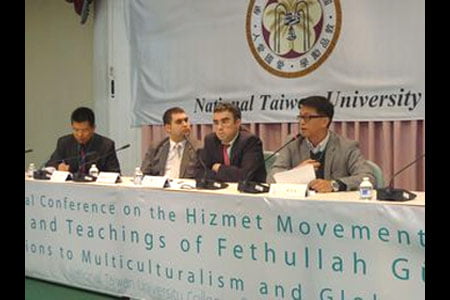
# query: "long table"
174,243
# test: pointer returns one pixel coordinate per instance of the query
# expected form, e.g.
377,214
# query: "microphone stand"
79,177
253,187
390,193
42,174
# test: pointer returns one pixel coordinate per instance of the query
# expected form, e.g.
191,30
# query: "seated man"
338,162
76,152
173,156
230,153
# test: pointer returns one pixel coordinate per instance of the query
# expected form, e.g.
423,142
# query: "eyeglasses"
308,118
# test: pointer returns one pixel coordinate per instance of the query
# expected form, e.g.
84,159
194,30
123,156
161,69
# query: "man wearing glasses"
337,161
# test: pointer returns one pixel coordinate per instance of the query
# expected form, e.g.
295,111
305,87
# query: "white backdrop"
195,53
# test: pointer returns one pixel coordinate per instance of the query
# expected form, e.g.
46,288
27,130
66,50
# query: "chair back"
379,177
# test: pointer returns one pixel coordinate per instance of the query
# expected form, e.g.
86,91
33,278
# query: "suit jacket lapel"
304,153
329,155
185,158
162,157
234,149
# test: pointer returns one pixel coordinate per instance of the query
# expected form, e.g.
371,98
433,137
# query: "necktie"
173,165
226,157
82,167
178,150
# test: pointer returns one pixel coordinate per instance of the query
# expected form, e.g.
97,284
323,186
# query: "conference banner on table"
367,57
159,244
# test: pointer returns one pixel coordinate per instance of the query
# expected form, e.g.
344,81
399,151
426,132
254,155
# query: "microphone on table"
390,193
28,151
253,187
44,174
80,177
204,182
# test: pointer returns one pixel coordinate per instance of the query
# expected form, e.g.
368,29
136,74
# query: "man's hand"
321,185
63,167
216,167
313,162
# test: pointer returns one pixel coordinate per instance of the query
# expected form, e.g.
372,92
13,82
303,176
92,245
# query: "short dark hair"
227,106
83,114
322,105
167,117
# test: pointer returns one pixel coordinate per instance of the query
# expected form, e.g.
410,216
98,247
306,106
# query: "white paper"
107,177
59,176
183,184
300,175
154,181
288,190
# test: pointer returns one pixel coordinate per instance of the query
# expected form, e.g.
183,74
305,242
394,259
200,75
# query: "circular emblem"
291,38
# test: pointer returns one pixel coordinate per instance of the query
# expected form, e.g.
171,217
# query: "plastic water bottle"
138,176
366,189
93,171
31,169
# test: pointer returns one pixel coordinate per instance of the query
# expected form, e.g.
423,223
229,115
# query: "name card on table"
107,177
59,176
288,189
154,181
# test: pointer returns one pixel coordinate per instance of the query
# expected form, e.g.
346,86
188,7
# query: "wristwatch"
334,186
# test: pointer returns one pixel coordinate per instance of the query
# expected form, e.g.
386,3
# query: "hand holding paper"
301,175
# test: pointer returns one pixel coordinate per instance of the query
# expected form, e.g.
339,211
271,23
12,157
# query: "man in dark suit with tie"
76,152
173,156
231,153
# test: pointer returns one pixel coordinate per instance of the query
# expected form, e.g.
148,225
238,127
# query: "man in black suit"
230,153
76,152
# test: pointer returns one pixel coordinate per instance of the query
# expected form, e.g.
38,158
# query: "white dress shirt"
174,159
321,146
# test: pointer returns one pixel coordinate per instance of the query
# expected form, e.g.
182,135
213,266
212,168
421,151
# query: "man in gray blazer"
173,156
337,161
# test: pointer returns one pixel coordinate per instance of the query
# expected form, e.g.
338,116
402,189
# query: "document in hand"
300,175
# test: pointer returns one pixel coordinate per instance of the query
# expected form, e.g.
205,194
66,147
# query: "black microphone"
390,193
28,151
43,174
79,177
282,147
247,186
204,182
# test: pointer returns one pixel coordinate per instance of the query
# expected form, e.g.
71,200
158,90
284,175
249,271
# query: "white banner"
157,244
367,57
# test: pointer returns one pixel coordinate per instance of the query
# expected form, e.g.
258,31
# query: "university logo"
291,38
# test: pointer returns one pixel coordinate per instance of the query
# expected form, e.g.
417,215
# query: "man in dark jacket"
230,153
76,152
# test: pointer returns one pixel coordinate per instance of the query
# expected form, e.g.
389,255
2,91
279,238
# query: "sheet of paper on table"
301,175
